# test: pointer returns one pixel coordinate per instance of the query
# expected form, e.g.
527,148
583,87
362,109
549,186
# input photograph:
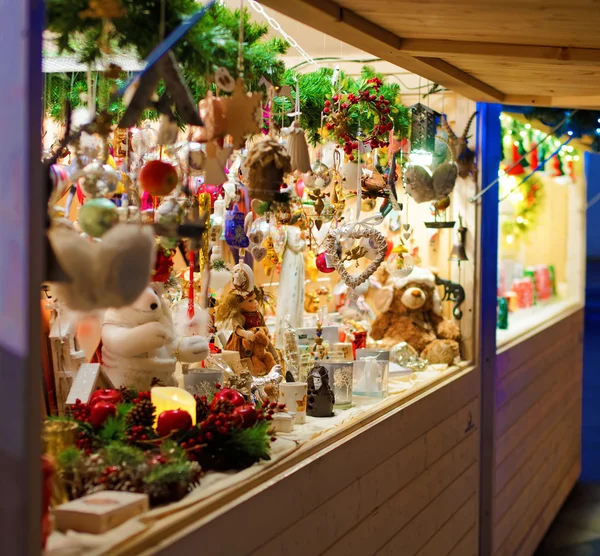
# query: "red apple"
106,395
230,395
173,420
248,414
101,412
158,178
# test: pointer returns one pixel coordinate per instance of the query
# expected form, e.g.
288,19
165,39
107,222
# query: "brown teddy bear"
262,360
411,312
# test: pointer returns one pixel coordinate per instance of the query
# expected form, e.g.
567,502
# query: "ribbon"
367,224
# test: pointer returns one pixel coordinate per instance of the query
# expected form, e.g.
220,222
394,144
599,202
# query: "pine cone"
127,394
202,408
142,414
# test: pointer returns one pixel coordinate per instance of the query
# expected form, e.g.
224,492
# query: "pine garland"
212,43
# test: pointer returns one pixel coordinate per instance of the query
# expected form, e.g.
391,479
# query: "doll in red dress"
240,311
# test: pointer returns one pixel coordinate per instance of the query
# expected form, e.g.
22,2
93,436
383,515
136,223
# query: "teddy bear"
262,360
139,342
411,312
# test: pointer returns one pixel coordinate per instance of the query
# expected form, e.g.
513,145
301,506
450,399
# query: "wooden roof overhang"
520,52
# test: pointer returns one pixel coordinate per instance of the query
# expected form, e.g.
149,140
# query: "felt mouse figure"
139,342
262,360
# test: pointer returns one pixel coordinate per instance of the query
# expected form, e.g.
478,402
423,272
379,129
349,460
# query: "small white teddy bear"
139,342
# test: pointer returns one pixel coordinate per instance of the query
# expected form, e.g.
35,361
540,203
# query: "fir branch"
254,442
69,457
118,453
114,428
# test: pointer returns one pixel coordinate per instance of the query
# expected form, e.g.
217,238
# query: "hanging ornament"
167,69
297,148
97,216
168,130
400,263
212,112
235,236
266,164
204,213
535,162
271,259
342,117
243,114
158,178
319,177
557,166
224,80
214,165
322,265
356,230
458,252
169,214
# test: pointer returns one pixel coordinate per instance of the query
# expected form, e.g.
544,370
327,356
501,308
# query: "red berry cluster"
142,396
109,473
83,442
80,411
138,433
377,102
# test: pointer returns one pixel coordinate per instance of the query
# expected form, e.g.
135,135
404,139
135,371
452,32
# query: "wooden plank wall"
406,484
537,433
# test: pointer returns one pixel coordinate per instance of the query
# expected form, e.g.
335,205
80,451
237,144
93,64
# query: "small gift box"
99,512
543,282
371,373
341,381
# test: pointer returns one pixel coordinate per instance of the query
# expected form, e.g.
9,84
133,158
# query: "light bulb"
527,126
510,239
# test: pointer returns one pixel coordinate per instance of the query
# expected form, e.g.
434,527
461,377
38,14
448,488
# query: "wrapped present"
523,288
543,282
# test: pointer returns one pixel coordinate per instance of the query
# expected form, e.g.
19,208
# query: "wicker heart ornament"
333,247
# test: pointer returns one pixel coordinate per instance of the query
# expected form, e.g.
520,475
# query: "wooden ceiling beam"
585,102
330,18
431,48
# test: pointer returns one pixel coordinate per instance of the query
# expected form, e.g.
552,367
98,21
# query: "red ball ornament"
107,395
230,395
101,412
321,262
173,420
248,414
158,178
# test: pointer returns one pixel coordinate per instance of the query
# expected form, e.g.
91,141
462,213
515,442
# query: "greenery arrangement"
119,448
317,86
213,42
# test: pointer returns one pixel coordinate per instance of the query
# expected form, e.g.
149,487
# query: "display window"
250,258
541,227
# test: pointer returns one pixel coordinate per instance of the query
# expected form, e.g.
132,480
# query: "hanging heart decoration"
357,231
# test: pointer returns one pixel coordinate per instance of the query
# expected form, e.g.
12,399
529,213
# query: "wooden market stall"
400,473
412,474
541,54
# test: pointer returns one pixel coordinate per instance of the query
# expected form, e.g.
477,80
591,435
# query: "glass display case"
541,271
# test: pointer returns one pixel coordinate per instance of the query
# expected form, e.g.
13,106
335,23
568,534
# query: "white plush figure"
139,343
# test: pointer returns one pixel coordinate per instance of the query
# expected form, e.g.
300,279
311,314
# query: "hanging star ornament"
243,114
214,165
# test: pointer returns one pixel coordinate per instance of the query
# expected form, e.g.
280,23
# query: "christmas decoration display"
206,184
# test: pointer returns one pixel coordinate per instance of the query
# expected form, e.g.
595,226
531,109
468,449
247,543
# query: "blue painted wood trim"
489,156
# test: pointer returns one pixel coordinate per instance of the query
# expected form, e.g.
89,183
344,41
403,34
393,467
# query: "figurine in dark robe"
320,395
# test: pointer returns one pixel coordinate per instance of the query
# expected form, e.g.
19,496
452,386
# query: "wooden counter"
404,482
537,432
